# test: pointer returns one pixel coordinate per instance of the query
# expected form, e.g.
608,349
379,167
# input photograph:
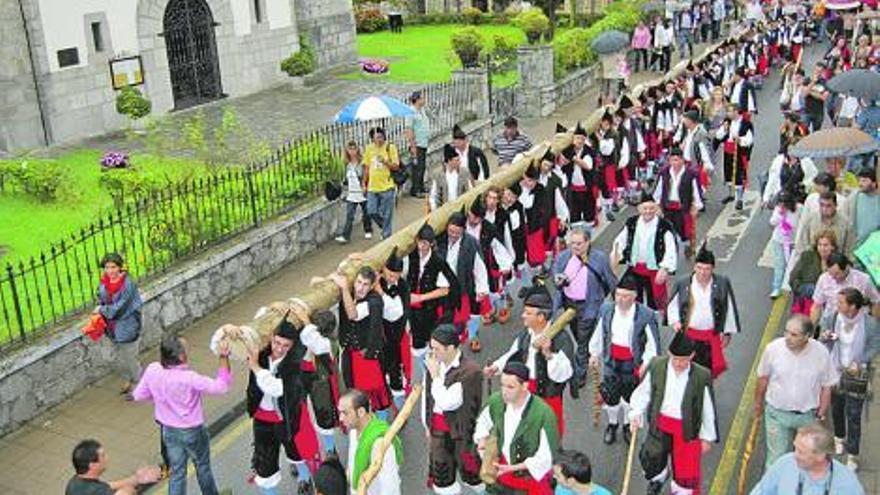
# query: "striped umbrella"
373,108
835,142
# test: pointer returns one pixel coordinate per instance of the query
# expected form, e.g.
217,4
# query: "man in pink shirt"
177,394
840,275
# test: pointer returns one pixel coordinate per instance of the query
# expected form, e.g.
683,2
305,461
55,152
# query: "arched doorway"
192,52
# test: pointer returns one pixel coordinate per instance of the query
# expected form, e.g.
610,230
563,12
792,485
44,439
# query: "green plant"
123,184
503,53
472,16
302,62
132,103
467,43
42,180
534,23
571,49
369,19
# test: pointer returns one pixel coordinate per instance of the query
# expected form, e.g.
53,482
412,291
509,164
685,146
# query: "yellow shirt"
380,176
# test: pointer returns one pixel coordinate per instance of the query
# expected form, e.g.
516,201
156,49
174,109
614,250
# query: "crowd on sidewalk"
407,323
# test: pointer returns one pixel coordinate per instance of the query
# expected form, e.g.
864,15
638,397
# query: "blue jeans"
780,261
181,445
380,207
350,211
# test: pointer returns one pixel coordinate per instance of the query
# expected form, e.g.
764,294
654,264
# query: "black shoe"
654,487
610,434
615,207
727,200
305,488
574,390
609,216
627,434
739,205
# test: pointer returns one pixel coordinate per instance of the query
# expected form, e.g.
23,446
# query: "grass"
423,54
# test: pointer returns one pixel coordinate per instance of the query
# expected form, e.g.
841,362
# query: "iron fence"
155,231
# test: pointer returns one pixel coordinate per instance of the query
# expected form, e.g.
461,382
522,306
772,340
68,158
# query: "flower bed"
374,66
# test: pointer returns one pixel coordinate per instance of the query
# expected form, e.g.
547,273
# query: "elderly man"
510,142
583,276
829,218
840,275
811,468
795,376
525,429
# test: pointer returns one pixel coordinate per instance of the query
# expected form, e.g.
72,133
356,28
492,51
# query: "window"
258,11
68,57
97,38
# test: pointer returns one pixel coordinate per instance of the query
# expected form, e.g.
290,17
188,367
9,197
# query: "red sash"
306,439
657,290
621,353
729,147
685,455
579,188
687,220
526,483
713,338
555,403
438,423
265,416
463,313
367,376
554,228
610,173
406,355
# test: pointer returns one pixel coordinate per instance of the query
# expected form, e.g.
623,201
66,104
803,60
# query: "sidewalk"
869,460
35,459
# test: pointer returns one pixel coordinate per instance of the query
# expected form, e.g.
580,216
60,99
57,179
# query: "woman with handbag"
119,303
809,266
849,340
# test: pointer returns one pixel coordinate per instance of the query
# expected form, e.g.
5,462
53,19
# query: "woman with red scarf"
119,304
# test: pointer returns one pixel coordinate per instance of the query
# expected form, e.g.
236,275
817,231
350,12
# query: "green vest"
692,403
537,416
374,430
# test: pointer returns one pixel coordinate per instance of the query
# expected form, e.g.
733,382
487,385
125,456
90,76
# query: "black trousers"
392,364
618,381
269,438
582,205
641,53
846,414
417,180
450,457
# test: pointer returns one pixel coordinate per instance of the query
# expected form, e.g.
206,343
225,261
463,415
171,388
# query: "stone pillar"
478,80
535,89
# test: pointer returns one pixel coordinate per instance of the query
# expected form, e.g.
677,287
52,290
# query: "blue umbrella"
372,108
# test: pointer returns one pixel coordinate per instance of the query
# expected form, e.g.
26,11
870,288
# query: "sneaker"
368,235
728,199
609,216
852,462
739,205
341,240
775,294
838,445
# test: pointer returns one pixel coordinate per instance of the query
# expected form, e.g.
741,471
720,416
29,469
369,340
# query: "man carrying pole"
364,431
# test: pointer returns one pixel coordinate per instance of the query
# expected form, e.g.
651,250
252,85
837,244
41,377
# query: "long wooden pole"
747,455
387,440
627,473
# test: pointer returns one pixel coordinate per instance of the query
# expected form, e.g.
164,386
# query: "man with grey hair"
810,468
795,376
583,277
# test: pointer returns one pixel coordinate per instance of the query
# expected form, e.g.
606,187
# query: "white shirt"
701,314
445,398
537,465
670,256
621,335
481,275
559,368
392,308
387,482
796,379
271,386
423,262
673,395
674,181
463,156
500,252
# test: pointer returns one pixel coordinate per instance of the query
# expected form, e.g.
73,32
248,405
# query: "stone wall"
329,25
49,371
574,85
20,125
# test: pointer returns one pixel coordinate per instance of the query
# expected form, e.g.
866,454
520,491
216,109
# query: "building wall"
329,26
20,125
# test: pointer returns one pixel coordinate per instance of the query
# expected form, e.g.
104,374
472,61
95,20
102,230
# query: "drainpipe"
30,49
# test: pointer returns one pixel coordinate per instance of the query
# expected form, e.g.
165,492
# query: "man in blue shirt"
574,475
810,469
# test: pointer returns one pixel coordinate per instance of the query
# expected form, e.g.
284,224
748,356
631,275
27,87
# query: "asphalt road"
738,238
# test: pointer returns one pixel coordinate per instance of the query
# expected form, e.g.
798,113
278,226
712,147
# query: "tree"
549,8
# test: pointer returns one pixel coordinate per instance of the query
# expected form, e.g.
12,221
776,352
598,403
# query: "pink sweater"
641,38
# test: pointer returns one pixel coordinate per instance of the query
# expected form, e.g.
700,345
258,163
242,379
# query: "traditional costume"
498,260
741,93
607,142
397,355
632,149
626,341
450,407
705,312
694,144
547,376
678,193
472,158
738,137
525,434
363,341
449,182
647,247
537,206
583,183
555,184
680,413
515,235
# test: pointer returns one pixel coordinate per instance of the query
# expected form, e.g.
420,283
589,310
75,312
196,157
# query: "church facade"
65,60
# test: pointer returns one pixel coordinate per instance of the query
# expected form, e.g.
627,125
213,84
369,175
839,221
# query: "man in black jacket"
472,158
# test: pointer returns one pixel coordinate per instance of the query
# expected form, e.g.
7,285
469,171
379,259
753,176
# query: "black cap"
532,172
549,156
477,207
426,233
629,281
539,299
286,330
457,133
645,197
449,152
625,102
446,335
675,151
394,262
681,345
517,369
579,129
607,116
705,256
458,219
561,129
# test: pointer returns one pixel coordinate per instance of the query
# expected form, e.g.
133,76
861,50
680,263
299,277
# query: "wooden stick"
629,462
747,455
597,398
556,327
387,440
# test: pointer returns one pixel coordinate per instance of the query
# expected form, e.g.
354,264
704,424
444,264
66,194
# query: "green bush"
534,23
472,16
302,62
369,19
503,53
128,183
467,43
42,180
132,103
571,49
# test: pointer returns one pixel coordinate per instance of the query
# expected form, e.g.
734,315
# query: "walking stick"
386,441
747,455
597,398
629,461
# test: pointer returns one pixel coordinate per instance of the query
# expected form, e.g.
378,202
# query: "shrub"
534,23
369,19
467,43
115,159
132,103
302,62
503,53
42,180
124,184
472,16
571,49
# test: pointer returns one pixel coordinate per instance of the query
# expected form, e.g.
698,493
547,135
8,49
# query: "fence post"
248,177
16,303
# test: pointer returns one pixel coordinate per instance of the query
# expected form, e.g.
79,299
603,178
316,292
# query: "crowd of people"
412,321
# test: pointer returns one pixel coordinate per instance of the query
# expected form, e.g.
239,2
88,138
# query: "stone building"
62,58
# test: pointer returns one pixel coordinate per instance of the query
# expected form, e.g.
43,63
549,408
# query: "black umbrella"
610,41
653,6
860,83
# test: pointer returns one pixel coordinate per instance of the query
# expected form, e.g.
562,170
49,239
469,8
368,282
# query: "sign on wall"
126,71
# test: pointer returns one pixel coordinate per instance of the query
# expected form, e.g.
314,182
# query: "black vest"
545,386
692,403
464,270
293,382
720,294
685,188
663,226
426,282
368,334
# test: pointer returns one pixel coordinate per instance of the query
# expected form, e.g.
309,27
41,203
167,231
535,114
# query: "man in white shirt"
795,376
365,432
676,399
449,182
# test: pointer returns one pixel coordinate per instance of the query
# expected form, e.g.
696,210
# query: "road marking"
731,224
734,442
766,260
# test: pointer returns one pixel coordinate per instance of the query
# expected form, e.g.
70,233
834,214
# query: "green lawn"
423,53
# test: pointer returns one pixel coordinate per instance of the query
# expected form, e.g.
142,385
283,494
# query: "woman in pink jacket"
641,42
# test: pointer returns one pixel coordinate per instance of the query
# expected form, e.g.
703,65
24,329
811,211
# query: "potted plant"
468,43
534,23
300,63
134,105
